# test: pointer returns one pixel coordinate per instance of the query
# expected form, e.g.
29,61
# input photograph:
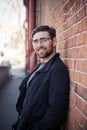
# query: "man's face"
43,44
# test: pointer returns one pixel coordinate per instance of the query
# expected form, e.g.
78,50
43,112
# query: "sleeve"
58,100
22,90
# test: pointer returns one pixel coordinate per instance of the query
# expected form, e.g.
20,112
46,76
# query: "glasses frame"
41,40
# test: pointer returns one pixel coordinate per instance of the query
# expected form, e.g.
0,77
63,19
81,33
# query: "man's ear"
54,41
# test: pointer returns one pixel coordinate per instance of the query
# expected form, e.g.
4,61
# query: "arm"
22,89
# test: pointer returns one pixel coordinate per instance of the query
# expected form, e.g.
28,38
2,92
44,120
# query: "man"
44,93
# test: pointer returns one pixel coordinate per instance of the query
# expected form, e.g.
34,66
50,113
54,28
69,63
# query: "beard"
43,52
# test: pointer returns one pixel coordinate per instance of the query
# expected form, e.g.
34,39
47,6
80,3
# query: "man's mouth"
41,49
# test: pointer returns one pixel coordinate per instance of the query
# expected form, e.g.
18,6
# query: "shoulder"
58,63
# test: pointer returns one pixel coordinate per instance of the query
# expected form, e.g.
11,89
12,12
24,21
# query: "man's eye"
35,41
43,39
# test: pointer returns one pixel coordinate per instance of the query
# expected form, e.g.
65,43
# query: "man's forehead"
40,34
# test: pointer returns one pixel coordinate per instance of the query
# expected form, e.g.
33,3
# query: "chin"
41,55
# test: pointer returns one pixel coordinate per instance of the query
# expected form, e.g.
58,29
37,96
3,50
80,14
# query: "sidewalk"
8,98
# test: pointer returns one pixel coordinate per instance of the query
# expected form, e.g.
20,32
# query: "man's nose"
39,42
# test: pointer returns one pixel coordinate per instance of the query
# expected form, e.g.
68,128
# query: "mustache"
41,47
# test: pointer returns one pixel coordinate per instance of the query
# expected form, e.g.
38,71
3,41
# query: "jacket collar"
49,63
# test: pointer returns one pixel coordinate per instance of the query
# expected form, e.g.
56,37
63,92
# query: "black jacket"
44,104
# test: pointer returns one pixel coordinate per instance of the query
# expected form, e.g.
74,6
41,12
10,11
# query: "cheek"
34,47
50,45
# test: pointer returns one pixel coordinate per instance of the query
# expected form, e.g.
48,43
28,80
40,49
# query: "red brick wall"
69,17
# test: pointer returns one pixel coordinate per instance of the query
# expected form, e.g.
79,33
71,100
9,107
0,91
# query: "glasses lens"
41,40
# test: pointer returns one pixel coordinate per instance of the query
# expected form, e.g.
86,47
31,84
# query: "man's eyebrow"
41,38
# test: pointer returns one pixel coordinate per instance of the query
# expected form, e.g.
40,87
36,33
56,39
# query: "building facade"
69,17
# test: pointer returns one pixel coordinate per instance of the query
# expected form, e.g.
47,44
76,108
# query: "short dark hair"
50,30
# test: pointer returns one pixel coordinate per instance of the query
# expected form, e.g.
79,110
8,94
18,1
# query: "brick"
81,14
85,37
75,76
78,115
73,53
84,22
80,27
63,2
73,86
77,5
70,63
83,52
83,79
74,29
74,122
80,52
86,9
71,21
80,39
81,65
65,24
70,43
82,92
83,2
66,7
73,98
62,45
82,106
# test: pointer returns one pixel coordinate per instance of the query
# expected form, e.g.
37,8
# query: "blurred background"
12,33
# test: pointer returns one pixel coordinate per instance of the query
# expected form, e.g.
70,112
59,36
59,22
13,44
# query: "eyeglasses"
41,40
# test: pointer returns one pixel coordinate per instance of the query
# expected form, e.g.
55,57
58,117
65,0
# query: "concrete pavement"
8,98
